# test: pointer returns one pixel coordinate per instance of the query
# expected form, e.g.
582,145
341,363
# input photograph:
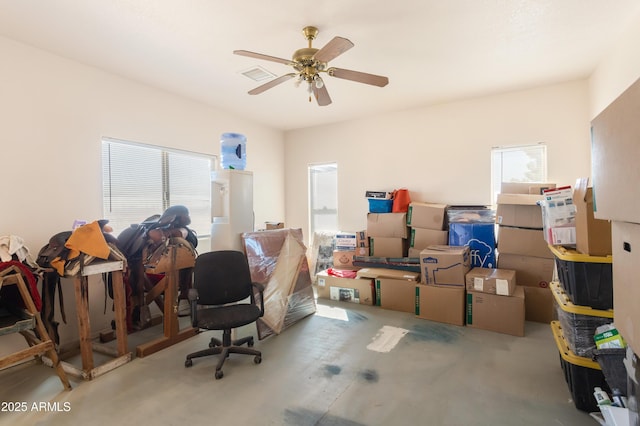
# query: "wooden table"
121,354
168,286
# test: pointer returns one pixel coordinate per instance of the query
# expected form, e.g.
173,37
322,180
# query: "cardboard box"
539,304
626,290
427,215
274,225
388,246
354,290
395,289
519,210
389,225
593,236
345,241
362,239
559,216
388,273
362,251
492,280
481,239
526,242
502,314
530,271
422,238
414,252
395,294
445,265
441,304
525,187
614,158
343,259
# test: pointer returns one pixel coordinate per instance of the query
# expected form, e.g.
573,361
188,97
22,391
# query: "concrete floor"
331,368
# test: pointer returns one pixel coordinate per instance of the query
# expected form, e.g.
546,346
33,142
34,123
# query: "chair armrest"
260,288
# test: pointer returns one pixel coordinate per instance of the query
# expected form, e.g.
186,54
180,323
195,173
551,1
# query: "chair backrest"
222,277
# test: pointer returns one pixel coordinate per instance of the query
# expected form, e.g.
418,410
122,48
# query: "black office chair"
221,285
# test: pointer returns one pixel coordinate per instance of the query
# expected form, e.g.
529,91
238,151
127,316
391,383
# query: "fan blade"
322,96
360,77
261,56
333,49
272,83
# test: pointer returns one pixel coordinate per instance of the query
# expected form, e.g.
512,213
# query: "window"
323,197
526,163
139,181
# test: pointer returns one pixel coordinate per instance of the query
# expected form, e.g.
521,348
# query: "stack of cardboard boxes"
345,249
522,247
494,301
440,295
388,234
446,289
428,226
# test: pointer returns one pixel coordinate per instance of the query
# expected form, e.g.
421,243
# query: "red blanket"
13,296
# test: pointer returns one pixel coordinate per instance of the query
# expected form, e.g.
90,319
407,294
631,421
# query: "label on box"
345,241
560,236
321,282
478,283
344,294
502,287
609,339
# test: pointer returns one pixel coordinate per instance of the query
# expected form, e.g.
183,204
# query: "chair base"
224,348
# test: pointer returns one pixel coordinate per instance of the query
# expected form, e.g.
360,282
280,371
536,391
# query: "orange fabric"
88,239
401,201
58,264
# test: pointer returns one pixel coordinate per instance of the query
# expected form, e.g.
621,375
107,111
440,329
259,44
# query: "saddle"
153,247
58,260
174,253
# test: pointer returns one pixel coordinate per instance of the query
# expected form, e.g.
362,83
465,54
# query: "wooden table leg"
82,306
172,333
119,311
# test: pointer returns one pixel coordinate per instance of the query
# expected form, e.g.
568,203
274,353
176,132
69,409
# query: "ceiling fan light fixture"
309,62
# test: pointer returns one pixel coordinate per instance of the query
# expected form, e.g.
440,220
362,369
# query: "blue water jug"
233,151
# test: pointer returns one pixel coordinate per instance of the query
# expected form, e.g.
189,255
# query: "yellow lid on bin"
572,255
565,303
566,353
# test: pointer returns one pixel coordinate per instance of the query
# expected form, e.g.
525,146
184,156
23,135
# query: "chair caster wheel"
219,374
257,359
188,363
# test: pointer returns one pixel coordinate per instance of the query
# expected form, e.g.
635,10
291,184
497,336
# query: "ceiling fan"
310,62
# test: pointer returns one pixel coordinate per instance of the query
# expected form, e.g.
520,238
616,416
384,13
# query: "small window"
139,181
323,197
525,163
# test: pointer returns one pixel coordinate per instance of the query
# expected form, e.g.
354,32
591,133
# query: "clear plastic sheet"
579,330
277,260
322,247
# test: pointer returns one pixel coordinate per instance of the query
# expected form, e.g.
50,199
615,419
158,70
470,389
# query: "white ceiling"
431,50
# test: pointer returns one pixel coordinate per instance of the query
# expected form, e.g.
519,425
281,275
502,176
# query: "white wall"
55,112
440,153
617,71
